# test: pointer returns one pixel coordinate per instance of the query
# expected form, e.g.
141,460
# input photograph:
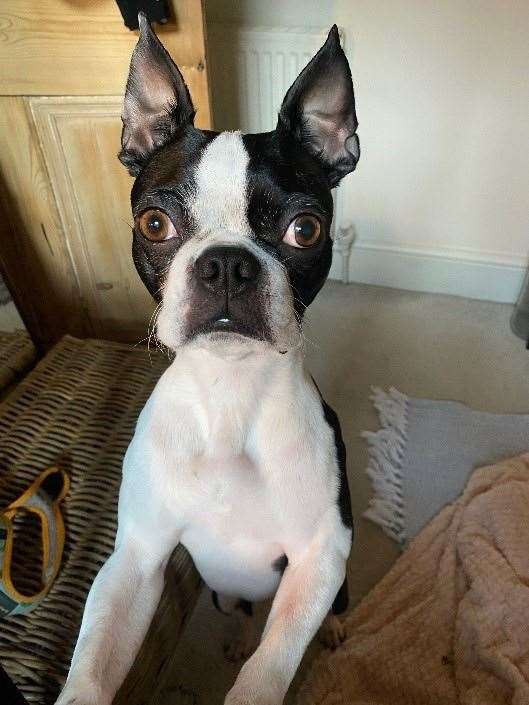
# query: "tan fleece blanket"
450,621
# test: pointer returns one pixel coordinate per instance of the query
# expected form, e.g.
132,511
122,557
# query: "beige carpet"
358,336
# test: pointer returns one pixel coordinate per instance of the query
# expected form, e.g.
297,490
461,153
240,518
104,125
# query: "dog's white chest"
245,471
232,532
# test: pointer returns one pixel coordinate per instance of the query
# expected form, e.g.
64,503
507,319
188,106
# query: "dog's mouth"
226,326
227,315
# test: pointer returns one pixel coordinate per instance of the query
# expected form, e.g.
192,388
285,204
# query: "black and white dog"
235,456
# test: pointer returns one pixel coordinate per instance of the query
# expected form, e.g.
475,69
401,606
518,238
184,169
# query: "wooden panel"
79,139
80,47
64,197
33,255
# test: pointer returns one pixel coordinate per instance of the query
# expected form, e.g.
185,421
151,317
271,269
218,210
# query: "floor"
10,318
357,337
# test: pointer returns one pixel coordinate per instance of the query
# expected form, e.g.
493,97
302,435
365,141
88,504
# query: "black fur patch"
341,601
216,603
245,607
344,496
242,605
283,182
162,184
280,564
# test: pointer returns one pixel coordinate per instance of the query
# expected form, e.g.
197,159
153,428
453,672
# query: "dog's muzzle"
227,272
227,293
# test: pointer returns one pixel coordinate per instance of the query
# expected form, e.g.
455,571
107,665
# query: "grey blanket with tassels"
424,453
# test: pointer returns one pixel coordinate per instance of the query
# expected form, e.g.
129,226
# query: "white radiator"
252,69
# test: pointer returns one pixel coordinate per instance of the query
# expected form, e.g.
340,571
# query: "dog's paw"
76,699
332,632
82,695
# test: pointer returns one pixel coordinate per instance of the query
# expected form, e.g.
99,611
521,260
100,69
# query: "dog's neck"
229,365
226,391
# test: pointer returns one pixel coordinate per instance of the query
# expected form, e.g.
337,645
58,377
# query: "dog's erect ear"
157,101
319,110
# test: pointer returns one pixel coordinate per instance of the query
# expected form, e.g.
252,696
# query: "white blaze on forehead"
221,176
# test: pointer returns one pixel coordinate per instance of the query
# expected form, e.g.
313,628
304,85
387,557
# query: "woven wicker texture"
77,409
17,354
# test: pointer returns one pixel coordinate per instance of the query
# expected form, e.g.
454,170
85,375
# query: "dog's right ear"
157,102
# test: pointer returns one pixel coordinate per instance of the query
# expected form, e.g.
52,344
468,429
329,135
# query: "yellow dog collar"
42,498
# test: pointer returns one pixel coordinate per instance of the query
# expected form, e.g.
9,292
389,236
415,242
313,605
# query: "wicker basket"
77,409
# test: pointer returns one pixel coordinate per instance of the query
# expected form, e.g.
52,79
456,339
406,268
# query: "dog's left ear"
157,102
319,110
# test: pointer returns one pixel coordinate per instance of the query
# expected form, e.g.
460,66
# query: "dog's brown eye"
303,231
155,225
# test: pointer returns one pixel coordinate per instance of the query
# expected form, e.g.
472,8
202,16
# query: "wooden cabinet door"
65,237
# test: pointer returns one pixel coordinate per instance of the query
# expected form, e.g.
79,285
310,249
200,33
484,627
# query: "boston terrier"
235,456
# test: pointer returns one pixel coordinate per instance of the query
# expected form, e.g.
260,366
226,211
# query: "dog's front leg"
118,611
305,595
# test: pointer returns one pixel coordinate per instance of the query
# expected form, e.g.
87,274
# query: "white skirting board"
431,272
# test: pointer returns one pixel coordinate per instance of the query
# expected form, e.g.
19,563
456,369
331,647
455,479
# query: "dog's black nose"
227,270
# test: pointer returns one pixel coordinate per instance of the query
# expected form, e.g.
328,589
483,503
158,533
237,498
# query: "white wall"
279,13
443,104
440,199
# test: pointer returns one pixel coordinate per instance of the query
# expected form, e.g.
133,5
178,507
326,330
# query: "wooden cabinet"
64,198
